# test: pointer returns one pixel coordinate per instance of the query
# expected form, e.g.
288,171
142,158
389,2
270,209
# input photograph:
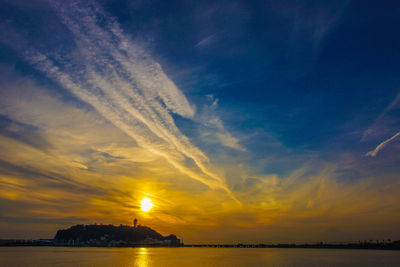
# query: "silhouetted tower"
135,222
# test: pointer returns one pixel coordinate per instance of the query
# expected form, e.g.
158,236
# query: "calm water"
57,256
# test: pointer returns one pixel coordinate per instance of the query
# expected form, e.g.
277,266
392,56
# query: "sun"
146,204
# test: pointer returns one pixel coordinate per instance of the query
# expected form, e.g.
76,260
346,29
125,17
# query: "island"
100,235
113,236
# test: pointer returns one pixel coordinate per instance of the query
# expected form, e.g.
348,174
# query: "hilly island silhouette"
110,235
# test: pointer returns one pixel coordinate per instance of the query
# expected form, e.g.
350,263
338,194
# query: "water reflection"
194,257
142,258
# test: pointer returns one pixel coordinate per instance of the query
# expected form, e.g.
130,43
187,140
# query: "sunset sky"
239,121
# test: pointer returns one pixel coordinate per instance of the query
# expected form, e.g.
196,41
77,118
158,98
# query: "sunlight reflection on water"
146,257
142,258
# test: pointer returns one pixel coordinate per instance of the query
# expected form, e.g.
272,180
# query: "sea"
191,256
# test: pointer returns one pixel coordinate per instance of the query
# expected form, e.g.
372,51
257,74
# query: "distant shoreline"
368,246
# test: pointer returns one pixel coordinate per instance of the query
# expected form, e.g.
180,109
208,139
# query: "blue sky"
277,112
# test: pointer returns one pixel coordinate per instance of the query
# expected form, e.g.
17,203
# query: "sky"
242,121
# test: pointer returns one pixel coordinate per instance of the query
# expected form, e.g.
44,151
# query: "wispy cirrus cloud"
229,141
125,85
318,24
382,124
375,127
215,127
207,41
374,152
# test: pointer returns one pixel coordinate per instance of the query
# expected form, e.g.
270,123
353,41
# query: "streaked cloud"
317,25
229,141
214,126
374,152
207,41
125,85
378,125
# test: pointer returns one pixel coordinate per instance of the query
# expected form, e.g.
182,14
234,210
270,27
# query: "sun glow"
146,204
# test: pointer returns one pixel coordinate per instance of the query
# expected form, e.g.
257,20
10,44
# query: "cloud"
125,85
316,24
213,125
23,132
207,41
374,152
379,123
229,141
62,221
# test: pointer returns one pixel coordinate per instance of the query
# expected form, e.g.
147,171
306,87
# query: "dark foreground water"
142,257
